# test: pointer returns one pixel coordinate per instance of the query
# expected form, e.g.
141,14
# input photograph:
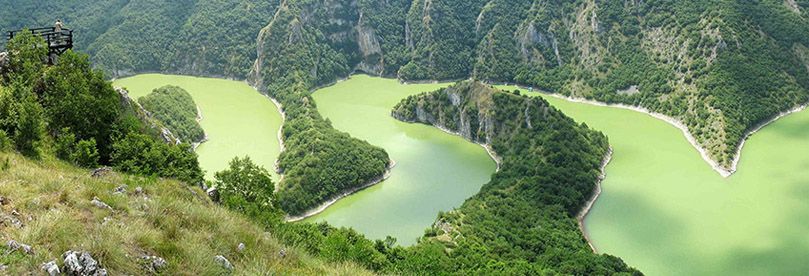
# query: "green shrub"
65,143
143,154
85,153
5,141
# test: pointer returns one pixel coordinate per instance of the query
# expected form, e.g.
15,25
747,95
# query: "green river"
662,209
238,120
435,171
666,212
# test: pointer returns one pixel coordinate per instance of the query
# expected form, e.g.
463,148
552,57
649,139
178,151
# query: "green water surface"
666,212
238,120
435,171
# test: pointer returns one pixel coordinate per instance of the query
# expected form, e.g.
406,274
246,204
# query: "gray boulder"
241,247
213,194
81,264
51,268
222,261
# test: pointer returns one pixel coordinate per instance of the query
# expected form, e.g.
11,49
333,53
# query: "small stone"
154,263
120,190
10,219
82,263
16,246
100,204
100,172
4,200
138,190
241,247
72,264
282,253
3,267
222,261
213,194
51,268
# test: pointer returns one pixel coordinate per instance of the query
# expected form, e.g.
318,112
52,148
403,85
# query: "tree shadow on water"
646,236
789,248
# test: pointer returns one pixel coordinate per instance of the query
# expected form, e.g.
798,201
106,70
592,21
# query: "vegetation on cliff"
719,67
318,162
175,108
71,111
550,166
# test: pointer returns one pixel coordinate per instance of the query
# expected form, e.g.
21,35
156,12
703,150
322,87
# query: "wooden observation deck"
58,42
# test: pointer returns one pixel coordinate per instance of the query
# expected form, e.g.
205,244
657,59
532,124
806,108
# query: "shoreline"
280,138
738,154
489,150
195,145
325,205
724,172
591,202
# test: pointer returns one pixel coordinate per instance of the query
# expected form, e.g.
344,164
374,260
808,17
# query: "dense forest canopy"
720,67
175,108
550,166
209,37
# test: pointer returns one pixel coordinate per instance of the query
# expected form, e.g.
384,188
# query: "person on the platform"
57,29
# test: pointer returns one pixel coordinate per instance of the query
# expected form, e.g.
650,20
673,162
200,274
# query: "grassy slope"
171,220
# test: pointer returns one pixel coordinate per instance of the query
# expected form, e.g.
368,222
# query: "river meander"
662,209
666,212
238,120
435,171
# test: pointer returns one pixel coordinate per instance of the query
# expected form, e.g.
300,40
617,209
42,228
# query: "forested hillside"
523,222
549,168
198,37
720,67
175,108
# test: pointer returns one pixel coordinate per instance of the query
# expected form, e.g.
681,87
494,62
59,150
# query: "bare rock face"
81,264
368,42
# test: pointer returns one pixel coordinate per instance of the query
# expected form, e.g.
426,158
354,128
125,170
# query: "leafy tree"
244,179
77,97
142,154
85,153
